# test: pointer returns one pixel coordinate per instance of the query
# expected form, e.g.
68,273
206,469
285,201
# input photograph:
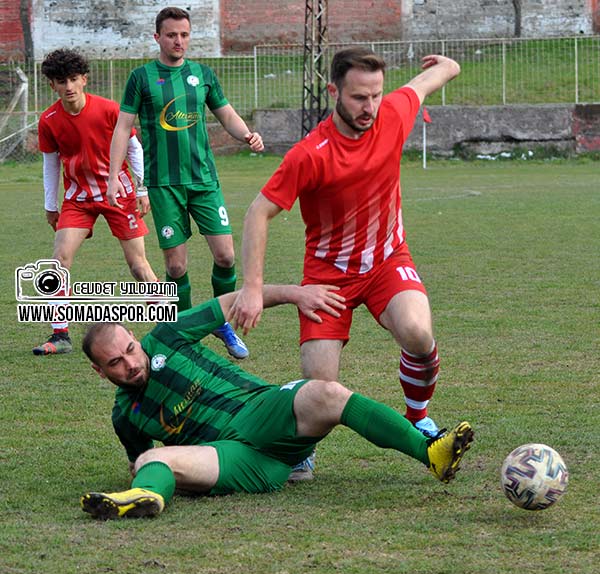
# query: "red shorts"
124,223
375,289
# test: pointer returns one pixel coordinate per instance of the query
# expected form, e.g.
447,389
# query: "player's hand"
246,309
254,140
52,218
114,192
314,298
430,60
143,204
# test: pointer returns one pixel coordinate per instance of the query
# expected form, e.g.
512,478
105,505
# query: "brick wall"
595,9
11,32
245,23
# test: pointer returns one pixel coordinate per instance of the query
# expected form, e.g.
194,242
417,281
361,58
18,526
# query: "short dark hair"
171,12
94,331
63,63
358,57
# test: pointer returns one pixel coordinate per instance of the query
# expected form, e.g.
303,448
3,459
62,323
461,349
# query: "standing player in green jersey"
169,95
223,429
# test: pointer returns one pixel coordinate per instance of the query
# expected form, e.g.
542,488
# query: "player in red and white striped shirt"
76,131
346,175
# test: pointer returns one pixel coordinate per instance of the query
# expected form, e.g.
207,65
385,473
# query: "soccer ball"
534,476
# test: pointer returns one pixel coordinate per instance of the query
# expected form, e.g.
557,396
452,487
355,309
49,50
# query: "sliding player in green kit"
225,430
169,95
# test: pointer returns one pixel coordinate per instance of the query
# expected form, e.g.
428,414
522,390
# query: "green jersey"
170,103
192,393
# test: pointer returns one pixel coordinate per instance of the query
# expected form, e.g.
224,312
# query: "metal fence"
494,72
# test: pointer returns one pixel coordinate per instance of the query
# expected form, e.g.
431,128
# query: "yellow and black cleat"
134,503
446,451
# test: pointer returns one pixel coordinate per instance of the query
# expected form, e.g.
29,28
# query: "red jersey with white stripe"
349,190
83,144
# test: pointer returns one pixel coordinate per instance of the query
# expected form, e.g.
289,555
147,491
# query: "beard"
136,379
350,121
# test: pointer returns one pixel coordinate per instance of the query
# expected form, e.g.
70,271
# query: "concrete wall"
486,129
124,29
440,19
117,29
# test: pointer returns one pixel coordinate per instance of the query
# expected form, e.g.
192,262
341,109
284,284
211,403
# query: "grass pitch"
509,253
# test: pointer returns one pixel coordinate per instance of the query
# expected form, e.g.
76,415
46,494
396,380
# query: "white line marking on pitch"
466,193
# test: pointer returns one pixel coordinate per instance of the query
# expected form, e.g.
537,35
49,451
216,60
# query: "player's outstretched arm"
310,299
249,303
438,71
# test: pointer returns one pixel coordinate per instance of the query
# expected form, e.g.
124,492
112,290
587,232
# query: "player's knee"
319,406
418,340
329,394
152,455
224,259
176,269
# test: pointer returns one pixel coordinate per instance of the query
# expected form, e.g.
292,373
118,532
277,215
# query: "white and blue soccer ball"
534,476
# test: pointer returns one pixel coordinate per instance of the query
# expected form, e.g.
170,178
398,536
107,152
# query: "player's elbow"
453,69
261,210
456,69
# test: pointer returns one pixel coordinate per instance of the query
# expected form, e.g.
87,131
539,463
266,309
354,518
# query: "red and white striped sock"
418,376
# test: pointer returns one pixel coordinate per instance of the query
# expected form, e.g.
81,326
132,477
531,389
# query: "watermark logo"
45,294
40,280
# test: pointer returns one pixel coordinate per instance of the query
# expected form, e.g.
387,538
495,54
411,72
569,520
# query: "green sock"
157,477
223,279
184,291
384,427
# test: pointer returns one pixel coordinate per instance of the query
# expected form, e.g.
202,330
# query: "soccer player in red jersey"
346,176
76,131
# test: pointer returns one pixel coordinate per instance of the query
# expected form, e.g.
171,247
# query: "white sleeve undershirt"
51,175
135,157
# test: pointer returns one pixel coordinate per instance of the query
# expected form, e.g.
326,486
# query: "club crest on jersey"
167,232
193,81
158,362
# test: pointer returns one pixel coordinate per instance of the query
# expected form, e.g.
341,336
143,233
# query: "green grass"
509,254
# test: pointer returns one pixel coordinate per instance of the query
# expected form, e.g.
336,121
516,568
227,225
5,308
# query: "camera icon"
43,279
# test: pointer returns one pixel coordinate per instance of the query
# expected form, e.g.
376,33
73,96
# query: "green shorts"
259,447
173,205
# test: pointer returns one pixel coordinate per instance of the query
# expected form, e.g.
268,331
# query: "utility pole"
314,95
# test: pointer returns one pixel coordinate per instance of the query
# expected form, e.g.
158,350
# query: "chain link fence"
494,72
